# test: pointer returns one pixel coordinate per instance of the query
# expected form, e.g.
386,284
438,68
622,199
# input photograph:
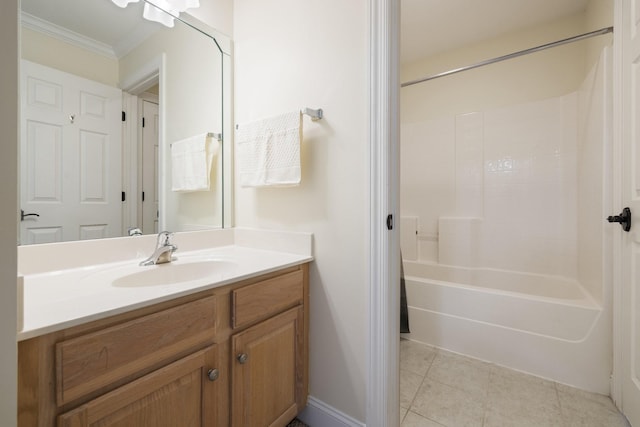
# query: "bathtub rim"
587,300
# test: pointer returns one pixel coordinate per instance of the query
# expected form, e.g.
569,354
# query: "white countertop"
58,299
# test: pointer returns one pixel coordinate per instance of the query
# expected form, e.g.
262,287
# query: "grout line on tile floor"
555,387
424,377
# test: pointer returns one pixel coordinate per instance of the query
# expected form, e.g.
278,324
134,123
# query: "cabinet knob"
213,374
242,358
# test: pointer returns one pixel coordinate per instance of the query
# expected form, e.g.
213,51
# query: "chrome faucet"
164,250
134,231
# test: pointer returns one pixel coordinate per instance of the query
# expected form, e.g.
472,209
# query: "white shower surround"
496,188
509,253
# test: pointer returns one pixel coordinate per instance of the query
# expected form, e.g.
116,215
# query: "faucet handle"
164,238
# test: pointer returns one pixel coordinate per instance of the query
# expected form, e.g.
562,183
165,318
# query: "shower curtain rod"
511,55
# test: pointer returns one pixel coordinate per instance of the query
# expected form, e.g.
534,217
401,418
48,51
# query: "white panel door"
630,39
70,153
150,138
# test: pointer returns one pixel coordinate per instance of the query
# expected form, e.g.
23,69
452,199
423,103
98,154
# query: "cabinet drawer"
95,360
264,299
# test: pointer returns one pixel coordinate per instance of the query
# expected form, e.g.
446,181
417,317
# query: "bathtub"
543,325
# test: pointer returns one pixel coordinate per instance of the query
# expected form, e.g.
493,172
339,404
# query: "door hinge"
389,222
124,197
124,116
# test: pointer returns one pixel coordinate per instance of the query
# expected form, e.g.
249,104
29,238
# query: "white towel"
191,161
268,151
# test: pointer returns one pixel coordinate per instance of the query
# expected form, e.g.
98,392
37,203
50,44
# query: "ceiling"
427,26
432,26
100,20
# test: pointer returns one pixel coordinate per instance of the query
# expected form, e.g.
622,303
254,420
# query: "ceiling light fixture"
162,11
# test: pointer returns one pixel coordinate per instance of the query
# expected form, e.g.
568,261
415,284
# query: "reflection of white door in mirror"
70,151
150,138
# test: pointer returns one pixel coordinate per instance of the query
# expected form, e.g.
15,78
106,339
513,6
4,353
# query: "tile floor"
439,388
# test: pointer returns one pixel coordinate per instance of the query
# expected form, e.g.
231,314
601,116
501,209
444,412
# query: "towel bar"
217,136
314,114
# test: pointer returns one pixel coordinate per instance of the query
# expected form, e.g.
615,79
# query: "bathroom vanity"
228,353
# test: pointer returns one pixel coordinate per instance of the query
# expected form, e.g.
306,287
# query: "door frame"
134,84
383,389
383,361
617,189
142,98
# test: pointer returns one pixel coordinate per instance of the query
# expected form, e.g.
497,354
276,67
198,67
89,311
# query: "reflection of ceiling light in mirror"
163,9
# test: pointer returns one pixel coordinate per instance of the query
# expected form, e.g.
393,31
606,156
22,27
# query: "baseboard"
319,414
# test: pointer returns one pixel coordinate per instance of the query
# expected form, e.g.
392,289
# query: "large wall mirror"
122,122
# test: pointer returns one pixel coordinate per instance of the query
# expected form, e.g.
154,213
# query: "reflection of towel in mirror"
191,161
268,151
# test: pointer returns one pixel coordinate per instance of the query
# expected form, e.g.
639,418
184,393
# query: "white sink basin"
175,272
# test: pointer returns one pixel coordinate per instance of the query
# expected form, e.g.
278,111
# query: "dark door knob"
23,215
624,219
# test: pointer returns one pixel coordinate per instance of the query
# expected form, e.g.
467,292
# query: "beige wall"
599,14
54,53
8,209
315,55
542,75
217,14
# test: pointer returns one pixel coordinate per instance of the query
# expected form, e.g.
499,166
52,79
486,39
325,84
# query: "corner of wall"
318,413
599,14
9,45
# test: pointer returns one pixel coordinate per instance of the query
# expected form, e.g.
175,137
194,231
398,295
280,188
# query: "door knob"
242,358
624,219
23,215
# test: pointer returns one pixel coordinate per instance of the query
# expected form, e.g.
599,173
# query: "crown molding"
52,30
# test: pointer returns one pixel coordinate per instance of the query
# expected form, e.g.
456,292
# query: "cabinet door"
180,394
267,371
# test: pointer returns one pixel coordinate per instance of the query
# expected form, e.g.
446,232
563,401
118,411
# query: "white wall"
292,54
8,209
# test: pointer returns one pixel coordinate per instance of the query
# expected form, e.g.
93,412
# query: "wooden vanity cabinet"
266,372
180,394
268,379
230,356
